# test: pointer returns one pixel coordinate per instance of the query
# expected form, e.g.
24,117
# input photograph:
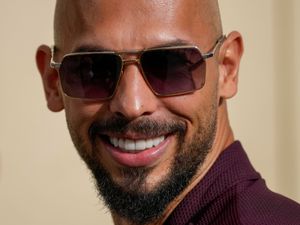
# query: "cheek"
80,115
192,106
195,109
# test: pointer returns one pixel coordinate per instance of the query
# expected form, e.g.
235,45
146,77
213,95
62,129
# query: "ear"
229,61
50,79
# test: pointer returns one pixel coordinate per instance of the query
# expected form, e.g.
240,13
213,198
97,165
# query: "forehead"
129,24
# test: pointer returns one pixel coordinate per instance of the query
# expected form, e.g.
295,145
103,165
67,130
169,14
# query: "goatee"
130,198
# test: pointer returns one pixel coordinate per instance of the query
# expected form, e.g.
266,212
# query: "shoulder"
232,192
256,204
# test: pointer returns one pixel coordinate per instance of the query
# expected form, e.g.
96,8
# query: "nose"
133,97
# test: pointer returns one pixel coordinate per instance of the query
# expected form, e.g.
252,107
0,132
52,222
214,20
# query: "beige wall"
43,181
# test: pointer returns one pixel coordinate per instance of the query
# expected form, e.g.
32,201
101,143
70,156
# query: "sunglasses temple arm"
213,51
209,54
53,64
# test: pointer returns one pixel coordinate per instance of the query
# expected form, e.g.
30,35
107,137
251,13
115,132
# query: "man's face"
176,132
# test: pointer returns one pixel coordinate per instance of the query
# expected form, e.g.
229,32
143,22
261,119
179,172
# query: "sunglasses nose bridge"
127,62
131,61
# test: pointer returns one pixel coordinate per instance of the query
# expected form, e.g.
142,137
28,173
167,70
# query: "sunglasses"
168,71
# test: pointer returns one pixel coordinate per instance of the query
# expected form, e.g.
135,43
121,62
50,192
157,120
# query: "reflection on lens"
174,71
92,75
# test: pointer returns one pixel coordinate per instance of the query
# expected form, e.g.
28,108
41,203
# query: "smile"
133,150
135,145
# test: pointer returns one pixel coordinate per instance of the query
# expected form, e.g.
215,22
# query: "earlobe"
50,79
229,61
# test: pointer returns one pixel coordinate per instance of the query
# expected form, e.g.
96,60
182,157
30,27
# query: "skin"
138,25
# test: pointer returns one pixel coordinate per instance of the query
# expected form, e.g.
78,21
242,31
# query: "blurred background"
43,180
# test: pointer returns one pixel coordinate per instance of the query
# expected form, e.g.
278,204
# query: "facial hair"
130,198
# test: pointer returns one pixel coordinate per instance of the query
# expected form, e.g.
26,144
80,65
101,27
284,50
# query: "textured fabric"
233,193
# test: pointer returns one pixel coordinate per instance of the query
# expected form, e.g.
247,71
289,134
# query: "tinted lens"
90,76
174,71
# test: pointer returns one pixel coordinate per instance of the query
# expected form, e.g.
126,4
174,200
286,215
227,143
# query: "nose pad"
133,97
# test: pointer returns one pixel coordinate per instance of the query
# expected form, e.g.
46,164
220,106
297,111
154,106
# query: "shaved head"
74,16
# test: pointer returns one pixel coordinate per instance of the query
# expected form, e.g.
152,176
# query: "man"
146,110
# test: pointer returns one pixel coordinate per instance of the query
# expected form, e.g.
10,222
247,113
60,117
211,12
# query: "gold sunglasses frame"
139,53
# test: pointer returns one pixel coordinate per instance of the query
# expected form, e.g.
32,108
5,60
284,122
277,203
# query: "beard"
130,198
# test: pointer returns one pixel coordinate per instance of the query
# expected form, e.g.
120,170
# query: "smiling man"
144,86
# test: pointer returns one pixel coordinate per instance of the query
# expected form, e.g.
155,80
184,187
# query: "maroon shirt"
233,193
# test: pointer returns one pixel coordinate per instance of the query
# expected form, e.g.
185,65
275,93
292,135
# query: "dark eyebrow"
84,48
176,42
99,48
91,48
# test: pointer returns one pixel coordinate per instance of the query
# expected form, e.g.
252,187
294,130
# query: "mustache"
143,126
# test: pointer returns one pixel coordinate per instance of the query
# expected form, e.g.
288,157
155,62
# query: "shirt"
233,193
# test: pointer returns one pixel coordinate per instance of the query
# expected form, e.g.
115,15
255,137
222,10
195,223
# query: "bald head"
208,10
74,17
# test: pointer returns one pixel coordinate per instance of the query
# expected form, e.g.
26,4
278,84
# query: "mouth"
136,152
132,145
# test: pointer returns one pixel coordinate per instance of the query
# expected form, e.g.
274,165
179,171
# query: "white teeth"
121,143
156,141
129,144
140,145
135,145
149,143
115,141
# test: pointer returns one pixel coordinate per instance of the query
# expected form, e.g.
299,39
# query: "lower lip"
144,158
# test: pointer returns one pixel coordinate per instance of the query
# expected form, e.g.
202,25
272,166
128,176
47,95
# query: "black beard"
131,199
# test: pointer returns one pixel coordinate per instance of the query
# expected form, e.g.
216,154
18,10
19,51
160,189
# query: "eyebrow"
99,48
91,48
176,42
